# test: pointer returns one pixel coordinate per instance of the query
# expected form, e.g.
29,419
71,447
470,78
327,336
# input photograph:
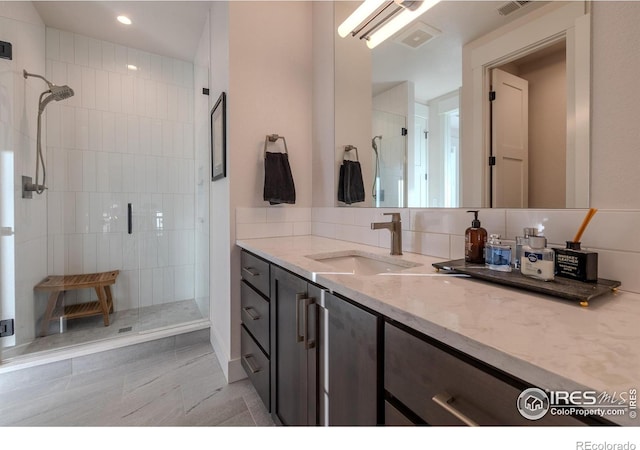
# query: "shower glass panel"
389,159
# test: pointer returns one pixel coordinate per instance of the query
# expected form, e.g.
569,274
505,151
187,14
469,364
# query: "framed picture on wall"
219,138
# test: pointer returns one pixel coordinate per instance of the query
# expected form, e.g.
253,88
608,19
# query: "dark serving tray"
560,287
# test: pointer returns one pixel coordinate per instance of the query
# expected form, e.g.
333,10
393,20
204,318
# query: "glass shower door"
389,159
7,242
7,238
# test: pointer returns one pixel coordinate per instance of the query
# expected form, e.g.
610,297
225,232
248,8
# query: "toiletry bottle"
497,254
537,261
520,241
475,238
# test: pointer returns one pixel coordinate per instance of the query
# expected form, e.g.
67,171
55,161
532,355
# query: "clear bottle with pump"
537,261
475,238
497,254
520,242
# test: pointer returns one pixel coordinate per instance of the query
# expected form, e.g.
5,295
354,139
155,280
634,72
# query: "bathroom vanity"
393,342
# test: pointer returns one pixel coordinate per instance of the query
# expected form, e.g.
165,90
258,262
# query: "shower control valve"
28,188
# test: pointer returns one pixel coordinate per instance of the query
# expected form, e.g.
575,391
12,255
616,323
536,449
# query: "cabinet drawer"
255,315
255,271
256,364
394,418
443,389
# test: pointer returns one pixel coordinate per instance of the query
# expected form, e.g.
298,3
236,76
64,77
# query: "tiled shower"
127,136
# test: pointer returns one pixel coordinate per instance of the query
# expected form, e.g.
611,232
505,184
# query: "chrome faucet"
395,227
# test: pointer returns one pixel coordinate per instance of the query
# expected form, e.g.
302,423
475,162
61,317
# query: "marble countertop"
551,343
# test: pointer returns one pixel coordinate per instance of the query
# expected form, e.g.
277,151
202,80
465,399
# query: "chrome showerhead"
61,92
57,92
373,143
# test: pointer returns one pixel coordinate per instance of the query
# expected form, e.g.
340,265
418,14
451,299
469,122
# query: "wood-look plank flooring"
179,387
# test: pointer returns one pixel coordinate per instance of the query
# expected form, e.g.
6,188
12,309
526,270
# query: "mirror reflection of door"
389,146
509,140
418,165
546,170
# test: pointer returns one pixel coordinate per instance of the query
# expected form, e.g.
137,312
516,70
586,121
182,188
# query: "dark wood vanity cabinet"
350,347
325,353
426,383
255,340
294,337
315,359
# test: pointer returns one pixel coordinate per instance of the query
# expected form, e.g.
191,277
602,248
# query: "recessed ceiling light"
132,67
124,19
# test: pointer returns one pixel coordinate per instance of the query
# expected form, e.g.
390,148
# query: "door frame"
571,23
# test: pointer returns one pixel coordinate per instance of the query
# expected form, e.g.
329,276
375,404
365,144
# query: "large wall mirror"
418,107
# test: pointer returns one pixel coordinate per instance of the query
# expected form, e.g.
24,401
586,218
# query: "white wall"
26,251
615,108
124,137
220,202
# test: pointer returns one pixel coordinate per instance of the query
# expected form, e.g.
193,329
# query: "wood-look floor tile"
184,387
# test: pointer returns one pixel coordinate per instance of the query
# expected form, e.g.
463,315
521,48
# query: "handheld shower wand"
56,93
374,191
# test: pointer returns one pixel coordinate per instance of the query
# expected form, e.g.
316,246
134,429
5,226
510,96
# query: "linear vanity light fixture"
380,19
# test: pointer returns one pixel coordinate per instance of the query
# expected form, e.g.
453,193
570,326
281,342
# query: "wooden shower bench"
58,284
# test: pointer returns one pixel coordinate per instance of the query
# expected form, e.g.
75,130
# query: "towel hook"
348,148
274,138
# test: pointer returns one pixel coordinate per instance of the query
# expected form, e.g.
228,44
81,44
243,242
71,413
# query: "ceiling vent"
510,7
417,35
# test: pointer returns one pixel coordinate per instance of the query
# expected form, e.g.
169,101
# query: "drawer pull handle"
308,343
444,400
251,271
301,297
253,368
252,315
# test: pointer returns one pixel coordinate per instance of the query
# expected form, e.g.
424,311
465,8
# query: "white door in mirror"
510,142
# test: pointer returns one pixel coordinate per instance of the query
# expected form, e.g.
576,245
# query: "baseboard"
236,371
232,368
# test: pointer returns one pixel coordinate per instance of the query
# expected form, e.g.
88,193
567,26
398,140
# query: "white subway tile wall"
440,232
124,137
272,222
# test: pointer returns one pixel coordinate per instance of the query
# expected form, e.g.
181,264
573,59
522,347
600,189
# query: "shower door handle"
129,219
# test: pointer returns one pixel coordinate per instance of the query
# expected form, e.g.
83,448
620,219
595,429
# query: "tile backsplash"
440,232
272,222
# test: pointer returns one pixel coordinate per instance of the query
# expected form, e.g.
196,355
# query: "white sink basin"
356,262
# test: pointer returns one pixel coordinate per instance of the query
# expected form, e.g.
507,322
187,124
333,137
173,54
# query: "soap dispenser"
475,238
